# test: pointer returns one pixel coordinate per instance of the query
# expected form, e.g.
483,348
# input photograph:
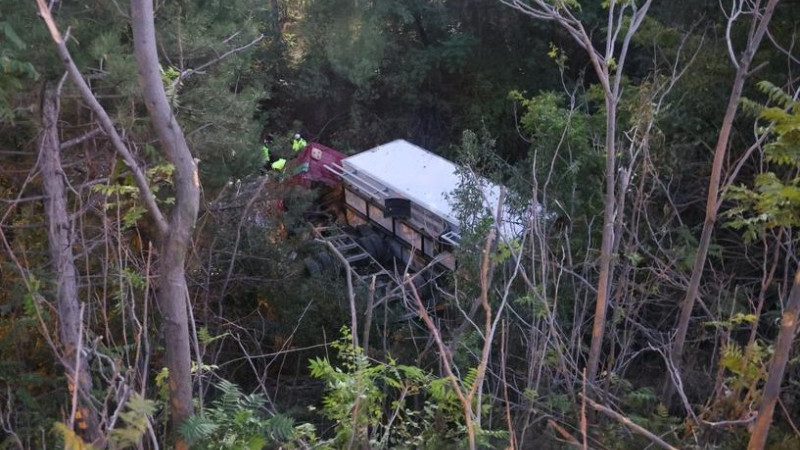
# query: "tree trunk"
172,294
607,243
59,239
777,367
275,22
758,29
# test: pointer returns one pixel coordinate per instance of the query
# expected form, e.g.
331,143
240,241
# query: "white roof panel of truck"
416,174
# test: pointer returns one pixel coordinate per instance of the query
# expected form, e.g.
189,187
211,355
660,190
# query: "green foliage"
356,47
216,106
355,74
371,403
477,159
162,384
364,72
70,440
774,201
545,119
237,421
735,320
135,418
355,398
557,55
561,135
570,4
505,250
747,367
31,388
13,70
170,78
135,279
205,337
124,195
644,407
784,150
32,294
684,248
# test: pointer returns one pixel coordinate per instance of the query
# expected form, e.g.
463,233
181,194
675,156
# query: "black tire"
324,260
381,249
397,251
367,245
312,266
364,230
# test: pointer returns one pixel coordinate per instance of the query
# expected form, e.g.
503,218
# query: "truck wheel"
364,230
367,244
397,251
379,246
312,266
324,260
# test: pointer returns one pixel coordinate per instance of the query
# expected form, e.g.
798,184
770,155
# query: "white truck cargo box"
378,181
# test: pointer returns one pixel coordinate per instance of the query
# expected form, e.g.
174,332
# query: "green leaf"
71,440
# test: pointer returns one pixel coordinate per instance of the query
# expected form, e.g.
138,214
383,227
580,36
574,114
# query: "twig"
583,411
399,402
788,417
564,433
351,296
5,421
675,376
76,370
368,314
189,72
152,434
272,354
628,423
196,345
121,401
726,423
512,437
79,139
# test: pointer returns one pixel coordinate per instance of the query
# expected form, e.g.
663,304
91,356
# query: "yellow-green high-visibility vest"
279,164
299,144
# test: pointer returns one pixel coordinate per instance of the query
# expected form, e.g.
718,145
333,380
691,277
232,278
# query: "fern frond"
135,418
775,94
472,375
751,108
230,395
280,428
197,428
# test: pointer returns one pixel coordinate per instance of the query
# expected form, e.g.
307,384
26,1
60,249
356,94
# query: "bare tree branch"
79,139
189,72
629,423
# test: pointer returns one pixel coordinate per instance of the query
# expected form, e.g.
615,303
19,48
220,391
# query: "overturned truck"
403,191
397,213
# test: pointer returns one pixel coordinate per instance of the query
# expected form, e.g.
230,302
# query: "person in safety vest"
265,153
265,157
298,143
